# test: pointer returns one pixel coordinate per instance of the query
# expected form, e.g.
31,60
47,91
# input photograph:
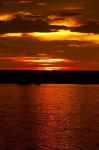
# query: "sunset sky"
49,34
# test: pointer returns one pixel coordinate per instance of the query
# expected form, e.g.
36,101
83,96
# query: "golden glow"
60,35
66,35
50,36
39,63
42,60
10,16
6,17
53,68
12,35
50,68
69,22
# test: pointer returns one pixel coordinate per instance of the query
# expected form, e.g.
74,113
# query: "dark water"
49,117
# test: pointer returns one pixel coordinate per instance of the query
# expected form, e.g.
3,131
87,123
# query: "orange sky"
62,34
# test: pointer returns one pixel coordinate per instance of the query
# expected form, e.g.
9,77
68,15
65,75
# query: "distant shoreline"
48,77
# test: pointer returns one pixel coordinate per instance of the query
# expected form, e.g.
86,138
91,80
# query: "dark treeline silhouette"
40,77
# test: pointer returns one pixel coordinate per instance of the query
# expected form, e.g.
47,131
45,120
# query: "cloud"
67,22
10,2
20,25
66,18
23,25
73,14
33,16
21,14
89,27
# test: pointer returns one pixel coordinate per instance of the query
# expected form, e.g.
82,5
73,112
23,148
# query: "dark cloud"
50,5
33,16
73,14
45,7
21,25
90,27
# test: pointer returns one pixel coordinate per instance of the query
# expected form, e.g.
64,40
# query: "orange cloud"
12,35
61,35
66,35
68,21
6,17
10,16
38,61
42,60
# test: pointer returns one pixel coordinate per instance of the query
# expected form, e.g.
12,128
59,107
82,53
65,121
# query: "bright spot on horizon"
53,68
41,63
42,60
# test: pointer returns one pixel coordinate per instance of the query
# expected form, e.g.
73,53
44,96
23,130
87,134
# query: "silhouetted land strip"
44,77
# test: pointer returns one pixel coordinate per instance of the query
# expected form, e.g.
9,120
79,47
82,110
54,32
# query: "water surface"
49,117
